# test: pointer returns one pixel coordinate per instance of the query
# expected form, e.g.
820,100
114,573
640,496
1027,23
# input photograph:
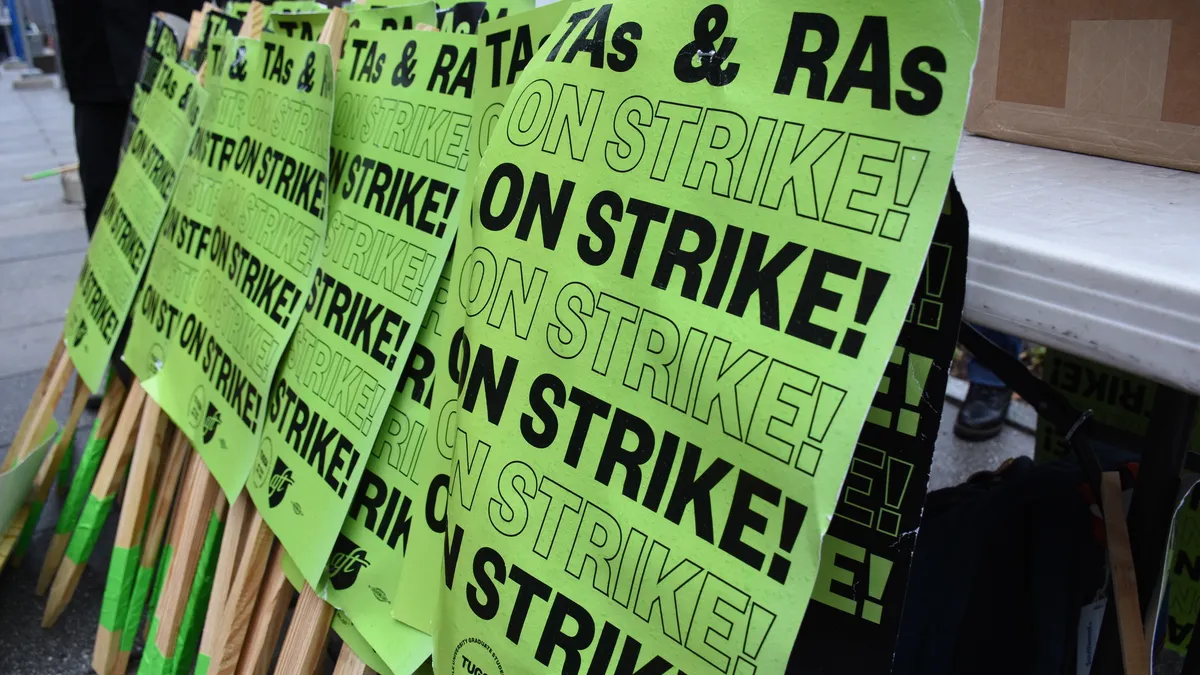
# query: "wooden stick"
27,439
1120,561
202,500
265,626
188,642
235,620
193,465
227,564
85,475
21,529
305,641
195,31
252,24
39,392
122,570
177,458
348,663
95,512
38,175
334,32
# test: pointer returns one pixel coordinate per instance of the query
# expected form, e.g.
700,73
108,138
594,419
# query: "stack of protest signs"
593,337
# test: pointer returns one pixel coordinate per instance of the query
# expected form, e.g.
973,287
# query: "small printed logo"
346,561
212,420
196,407
262,463
156,357
475,657
281,479
80,331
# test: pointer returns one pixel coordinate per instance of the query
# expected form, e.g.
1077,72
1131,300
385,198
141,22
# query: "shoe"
983,412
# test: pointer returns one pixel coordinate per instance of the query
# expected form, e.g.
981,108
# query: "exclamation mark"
757,627
400,335
912,166
918,374
896,485
829,399
451,197
793,517
874,281
879,569
937,268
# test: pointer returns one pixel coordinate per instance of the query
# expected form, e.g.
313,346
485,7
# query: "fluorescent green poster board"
508,46
240,9
270,141
174,271
693,249
300,25
129,222
396,168
361,574
16,483
366,16
161,45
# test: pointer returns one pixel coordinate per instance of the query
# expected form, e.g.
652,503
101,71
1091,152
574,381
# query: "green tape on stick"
152,660
202,662
164,562
68,459
91,521
192,623
137,603
122,572
35,513
81,485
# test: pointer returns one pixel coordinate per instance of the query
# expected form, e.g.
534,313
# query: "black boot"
983,412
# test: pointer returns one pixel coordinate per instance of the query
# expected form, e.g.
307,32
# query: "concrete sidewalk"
42,245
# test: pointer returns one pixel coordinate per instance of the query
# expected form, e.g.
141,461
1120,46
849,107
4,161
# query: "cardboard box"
1117,78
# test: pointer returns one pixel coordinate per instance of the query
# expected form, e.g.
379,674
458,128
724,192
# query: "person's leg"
983,412
977,373
99,128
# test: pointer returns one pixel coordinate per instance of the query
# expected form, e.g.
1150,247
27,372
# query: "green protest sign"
161,45
174,269
508,46
363,568
239,10
365,16
129,222
300,25
269,144
16,483
399,152
697,232
217,25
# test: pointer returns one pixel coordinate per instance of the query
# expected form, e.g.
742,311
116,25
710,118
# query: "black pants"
99,131
99,128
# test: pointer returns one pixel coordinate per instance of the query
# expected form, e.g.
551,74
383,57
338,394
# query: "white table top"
1093,256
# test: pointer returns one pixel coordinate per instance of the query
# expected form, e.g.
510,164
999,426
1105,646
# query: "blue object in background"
977,373
14,30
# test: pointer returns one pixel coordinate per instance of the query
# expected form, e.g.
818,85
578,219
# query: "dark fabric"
99,128
101,42
1002,567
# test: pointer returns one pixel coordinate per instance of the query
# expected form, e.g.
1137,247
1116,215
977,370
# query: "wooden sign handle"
95,512
305,641
1120,561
